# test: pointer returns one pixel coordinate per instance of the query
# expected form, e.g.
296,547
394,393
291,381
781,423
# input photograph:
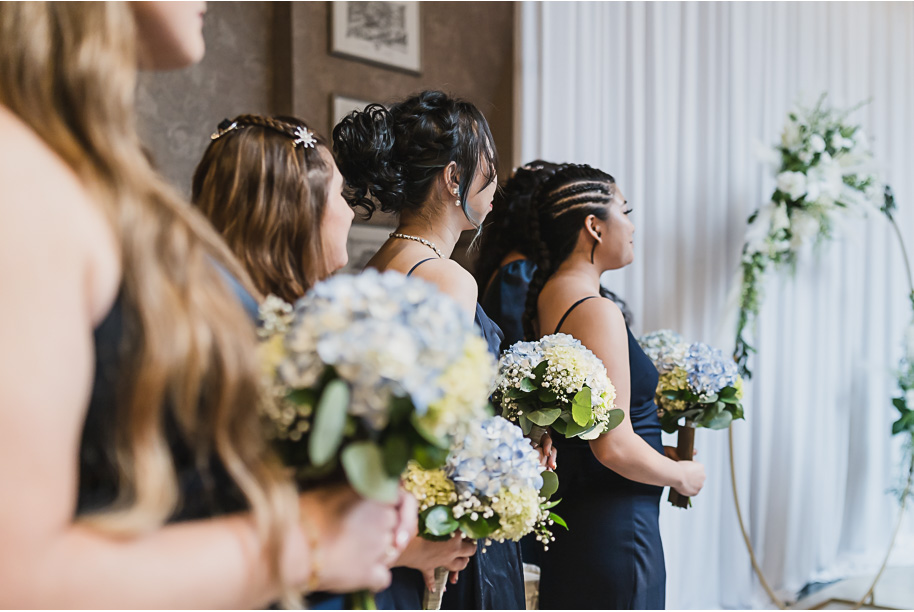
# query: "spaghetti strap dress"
612,556
205,487
493,580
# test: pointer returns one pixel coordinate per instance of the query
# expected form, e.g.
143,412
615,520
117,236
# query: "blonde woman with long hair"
131,461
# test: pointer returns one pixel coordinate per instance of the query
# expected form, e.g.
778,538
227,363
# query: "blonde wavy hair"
68,70
267,197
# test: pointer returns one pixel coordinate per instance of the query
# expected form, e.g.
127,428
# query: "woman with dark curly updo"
610,487
431,160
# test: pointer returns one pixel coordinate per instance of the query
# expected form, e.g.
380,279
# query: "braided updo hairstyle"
263,183
390,158
506,226
560,206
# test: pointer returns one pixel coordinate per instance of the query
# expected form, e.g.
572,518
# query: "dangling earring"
595,243
457,203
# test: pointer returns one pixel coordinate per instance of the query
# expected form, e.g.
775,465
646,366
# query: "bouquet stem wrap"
432,599
684,448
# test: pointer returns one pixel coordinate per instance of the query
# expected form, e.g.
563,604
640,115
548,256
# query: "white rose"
804,228
805,156
817,143
793,184
780,219
790,137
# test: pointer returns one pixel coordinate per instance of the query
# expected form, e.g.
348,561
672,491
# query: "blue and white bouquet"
697,382
556,382
492,486
368,372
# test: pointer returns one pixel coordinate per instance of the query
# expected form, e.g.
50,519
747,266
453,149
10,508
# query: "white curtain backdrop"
672,99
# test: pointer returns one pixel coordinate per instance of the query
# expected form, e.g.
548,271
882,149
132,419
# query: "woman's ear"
592,225
451,180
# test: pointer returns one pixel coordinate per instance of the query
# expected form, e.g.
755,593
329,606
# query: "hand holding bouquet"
556,382
491,487
698,383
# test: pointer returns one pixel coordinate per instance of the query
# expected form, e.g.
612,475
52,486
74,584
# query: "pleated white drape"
672,100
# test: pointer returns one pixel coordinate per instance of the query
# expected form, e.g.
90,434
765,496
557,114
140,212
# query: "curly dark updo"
390,158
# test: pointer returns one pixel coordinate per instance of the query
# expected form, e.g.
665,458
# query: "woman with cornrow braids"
431,160
610,487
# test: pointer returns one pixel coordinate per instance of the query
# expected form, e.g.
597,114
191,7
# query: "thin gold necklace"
418,239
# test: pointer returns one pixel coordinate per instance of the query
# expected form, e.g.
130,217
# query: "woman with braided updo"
431,160
610,487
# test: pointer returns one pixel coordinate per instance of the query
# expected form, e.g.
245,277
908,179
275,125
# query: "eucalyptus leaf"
721,420
526,425
581,413
430,456
478,529
396,454
439,521
363,463
547,396
540,370
583,397
616,416
329,422
559,425
527,385
572,429
550,484
544,417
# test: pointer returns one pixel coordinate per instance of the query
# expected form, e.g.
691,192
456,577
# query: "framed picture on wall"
382,33
340,106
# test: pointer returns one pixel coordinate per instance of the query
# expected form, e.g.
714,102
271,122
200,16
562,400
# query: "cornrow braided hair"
506,225
559,207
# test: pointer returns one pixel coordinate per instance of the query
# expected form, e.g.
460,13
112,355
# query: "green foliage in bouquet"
556,382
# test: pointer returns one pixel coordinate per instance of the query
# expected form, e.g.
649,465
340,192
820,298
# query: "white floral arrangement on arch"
825,173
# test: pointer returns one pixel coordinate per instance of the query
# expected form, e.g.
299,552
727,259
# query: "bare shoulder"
451,278
49,224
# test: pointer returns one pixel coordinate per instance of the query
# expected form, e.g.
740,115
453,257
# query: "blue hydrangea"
386,334
492,455
709,370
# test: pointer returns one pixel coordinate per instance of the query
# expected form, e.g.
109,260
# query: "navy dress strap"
568,312
413,269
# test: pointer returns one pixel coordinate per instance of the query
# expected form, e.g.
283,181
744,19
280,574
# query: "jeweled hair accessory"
225,126
304,137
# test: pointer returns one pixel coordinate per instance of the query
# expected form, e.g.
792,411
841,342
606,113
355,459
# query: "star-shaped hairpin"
304,137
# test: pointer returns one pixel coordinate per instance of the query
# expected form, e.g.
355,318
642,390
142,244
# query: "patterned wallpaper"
179,110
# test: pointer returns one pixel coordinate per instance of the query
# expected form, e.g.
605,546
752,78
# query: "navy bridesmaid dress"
612,556
205,486
493,580
505,298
